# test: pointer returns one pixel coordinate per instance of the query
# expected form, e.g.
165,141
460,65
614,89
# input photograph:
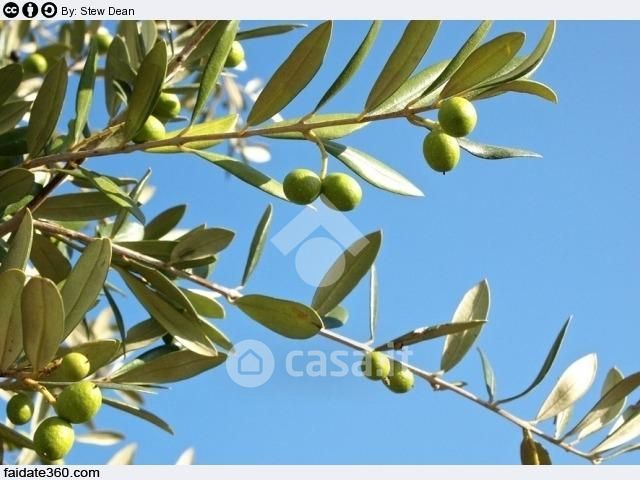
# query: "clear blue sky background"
554,237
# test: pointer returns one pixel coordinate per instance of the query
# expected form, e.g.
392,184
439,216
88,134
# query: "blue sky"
554,237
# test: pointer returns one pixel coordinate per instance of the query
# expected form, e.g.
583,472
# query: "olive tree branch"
231,294
299,127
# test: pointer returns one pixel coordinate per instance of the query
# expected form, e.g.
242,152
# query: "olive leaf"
429,333
160,249
143,334
85,282
125,455
117,314
353,65
14,437
19,245
201,243
170,367
164,222
204,303
336,318
611,401
373,303
15,184
290,319
86,85
219,125
14,142
148,34
10,79
346,272
561,421
570,387
268,31
413,45
486,60
82,206
494,152
179,323
114,193
42,321
546,366
293,75
139,412
47,107
49,260
626,432
488,375
103,438
474,306
372,170
460,57
146,89
244,172
530,87
11,285
225,33
257,243
117,69
11,114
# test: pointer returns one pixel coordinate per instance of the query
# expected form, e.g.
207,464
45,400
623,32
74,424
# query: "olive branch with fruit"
61,368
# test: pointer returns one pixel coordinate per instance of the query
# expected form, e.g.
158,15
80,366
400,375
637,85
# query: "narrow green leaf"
372,170
488,375
83,206
293,75
519,86
128,30
124,456
204,303
494,152
561,421
112,191
614,376
85,282
148,34
622,451
346,272
483,63
49,260
628,431
219,125
146,89
201,243
571,387
336,318
244,172
290,319
170,367
42,321
530,63
117,314
257,243
11,285
14,437
15,184
411,90
413,45
429,333
179,323
164,222
611,401
474,306
19,245
460,57
103,438
160,249
143,334
78,31
546,366
216,336
117,69
14,142
10,79
139,412
373,302
226,33
268,31
323,133
11,114
353,65
47,107
86,85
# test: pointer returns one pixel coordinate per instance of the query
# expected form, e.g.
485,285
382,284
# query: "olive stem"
34,385
324,156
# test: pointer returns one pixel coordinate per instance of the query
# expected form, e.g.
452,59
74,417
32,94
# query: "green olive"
341,192
441,151
457,117
79,402
19,409
302,186
153,129
53,439
236,55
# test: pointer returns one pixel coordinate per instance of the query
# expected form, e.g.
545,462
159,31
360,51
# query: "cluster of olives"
337,190
394,375
77,403
457,117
